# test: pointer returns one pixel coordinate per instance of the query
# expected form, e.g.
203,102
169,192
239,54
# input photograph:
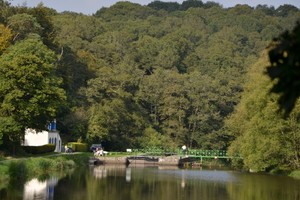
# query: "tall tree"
30,93
263,138
285,67
23,25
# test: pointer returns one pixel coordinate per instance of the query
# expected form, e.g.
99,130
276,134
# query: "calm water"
152,183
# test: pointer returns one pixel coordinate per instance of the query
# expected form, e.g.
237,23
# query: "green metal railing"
206,153
191,153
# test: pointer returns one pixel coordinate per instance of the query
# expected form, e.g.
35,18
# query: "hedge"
77,146
47,148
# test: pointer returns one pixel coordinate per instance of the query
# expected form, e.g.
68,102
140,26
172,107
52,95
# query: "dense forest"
154,76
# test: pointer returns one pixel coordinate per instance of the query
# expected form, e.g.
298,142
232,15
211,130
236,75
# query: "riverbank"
21,169
295,174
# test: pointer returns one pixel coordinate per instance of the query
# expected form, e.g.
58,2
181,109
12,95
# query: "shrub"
17,170
3,170
62,163
80,147
44,164
295,174
39,149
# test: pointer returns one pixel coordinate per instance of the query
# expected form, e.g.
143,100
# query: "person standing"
184,149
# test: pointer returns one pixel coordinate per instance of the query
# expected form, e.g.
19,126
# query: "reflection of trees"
263,187
149,183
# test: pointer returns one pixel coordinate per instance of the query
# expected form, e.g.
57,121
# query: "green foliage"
30,90
44,164
39,149
264,140
165,75
5,38
18,170
285,63
3,170
62,163
124,11
152,139
79,147
295,174
23,25
285,10
168,6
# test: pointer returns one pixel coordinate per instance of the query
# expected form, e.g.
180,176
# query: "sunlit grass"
23,168
295,174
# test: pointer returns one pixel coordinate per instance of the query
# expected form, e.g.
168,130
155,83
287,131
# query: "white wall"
33,138
55,139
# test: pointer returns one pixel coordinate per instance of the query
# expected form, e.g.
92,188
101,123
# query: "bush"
39,149
295,174
62,163
44,164
79,147
17,170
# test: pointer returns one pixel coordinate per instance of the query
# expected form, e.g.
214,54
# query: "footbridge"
164,157
190,153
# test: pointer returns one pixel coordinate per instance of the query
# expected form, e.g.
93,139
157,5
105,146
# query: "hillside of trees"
161,75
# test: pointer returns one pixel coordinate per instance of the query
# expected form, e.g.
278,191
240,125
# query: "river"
108,182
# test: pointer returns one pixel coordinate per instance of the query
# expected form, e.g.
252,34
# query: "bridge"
190,153
167,157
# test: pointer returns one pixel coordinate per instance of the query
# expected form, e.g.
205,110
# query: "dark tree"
168,6
285,66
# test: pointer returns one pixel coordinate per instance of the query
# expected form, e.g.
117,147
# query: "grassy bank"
295,174
22,169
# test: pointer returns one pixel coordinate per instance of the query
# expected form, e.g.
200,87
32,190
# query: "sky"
91,6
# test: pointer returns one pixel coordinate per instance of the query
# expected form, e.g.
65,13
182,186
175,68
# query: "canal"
108,182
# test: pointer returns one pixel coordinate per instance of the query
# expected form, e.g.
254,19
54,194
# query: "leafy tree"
44,17
123,11
152,139
116,123
261,135
176,68
5,38
146,50
168,6
203,117
174,107
284,67
5,11
285,10
191,4
30,93
23,25
266,9
211,4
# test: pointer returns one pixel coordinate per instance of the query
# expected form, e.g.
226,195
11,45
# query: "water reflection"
114,182
100,172
128,175
40,190
205,175
183,180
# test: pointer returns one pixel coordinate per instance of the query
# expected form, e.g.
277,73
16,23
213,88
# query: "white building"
34,138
